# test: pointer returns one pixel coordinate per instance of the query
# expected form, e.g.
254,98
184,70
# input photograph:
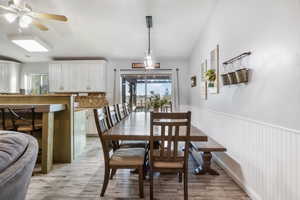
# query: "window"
37,84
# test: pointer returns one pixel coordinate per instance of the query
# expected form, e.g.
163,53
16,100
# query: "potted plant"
155,103
211,77
164,102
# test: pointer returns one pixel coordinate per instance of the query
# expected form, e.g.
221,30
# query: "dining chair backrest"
166,107
3,125
126,109
121,111
107,117
113,115
102,128
168,129
18,116
101,119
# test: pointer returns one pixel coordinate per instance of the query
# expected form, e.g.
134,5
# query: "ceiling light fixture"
25,21
20,11
148,60
30,43
10,17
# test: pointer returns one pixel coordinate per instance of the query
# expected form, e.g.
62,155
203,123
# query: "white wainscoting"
262,158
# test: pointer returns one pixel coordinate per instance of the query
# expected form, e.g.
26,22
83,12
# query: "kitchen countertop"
31,95
38,107
81,109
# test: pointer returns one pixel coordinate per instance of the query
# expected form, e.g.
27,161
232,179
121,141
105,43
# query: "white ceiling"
114,29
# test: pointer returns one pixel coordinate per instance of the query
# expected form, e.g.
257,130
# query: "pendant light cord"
149,41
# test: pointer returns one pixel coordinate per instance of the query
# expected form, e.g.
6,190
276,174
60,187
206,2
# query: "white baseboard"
253,195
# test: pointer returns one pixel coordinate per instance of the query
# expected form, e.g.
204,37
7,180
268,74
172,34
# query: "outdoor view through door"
147,92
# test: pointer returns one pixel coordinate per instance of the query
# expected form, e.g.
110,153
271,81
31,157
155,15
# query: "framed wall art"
142,66
203,83
212,74
193,81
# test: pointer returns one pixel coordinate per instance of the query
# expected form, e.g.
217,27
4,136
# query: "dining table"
136,126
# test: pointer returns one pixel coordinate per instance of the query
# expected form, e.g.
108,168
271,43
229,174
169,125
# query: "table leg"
47,142
205,166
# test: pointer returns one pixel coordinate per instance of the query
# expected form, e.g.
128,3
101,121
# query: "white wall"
259,122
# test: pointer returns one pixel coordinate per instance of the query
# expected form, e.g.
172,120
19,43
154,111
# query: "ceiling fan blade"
49,16
7,9
39,26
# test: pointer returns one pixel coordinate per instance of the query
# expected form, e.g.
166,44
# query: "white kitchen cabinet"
67,77
81,75
98,77
9,77
55,78
77,76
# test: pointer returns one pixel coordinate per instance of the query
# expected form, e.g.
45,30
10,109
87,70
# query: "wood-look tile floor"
83,180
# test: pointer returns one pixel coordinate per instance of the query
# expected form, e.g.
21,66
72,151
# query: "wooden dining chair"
121,111
168,129
107,114
166,108
3,119
128,110
113,115
122,158
113,119
21,123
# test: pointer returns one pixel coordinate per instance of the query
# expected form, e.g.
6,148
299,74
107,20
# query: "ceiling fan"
18,10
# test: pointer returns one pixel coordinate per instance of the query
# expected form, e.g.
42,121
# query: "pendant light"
148,60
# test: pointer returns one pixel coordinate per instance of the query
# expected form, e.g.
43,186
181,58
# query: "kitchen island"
48,111
62,119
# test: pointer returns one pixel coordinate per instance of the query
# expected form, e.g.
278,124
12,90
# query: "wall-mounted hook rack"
237,58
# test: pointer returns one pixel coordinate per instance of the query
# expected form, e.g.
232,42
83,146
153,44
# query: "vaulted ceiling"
114,29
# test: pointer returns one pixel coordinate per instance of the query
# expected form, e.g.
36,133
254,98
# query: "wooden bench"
204,160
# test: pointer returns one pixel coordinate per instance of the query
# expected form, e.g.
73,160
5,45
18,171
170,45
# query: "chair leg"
141,182
113,172
185,182
151,184
180,177
146,160
105,181
144,171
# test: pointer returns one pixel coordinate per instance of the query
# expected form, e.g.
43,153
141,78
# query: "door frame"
144,73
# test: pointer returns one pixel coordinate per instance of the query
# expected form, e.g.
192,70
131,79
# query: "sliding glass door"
145,92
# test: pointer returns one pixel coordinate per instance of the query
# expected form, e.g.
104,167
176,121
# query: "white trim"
254,121
262,150
145,72
9,62
78,62
253,195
